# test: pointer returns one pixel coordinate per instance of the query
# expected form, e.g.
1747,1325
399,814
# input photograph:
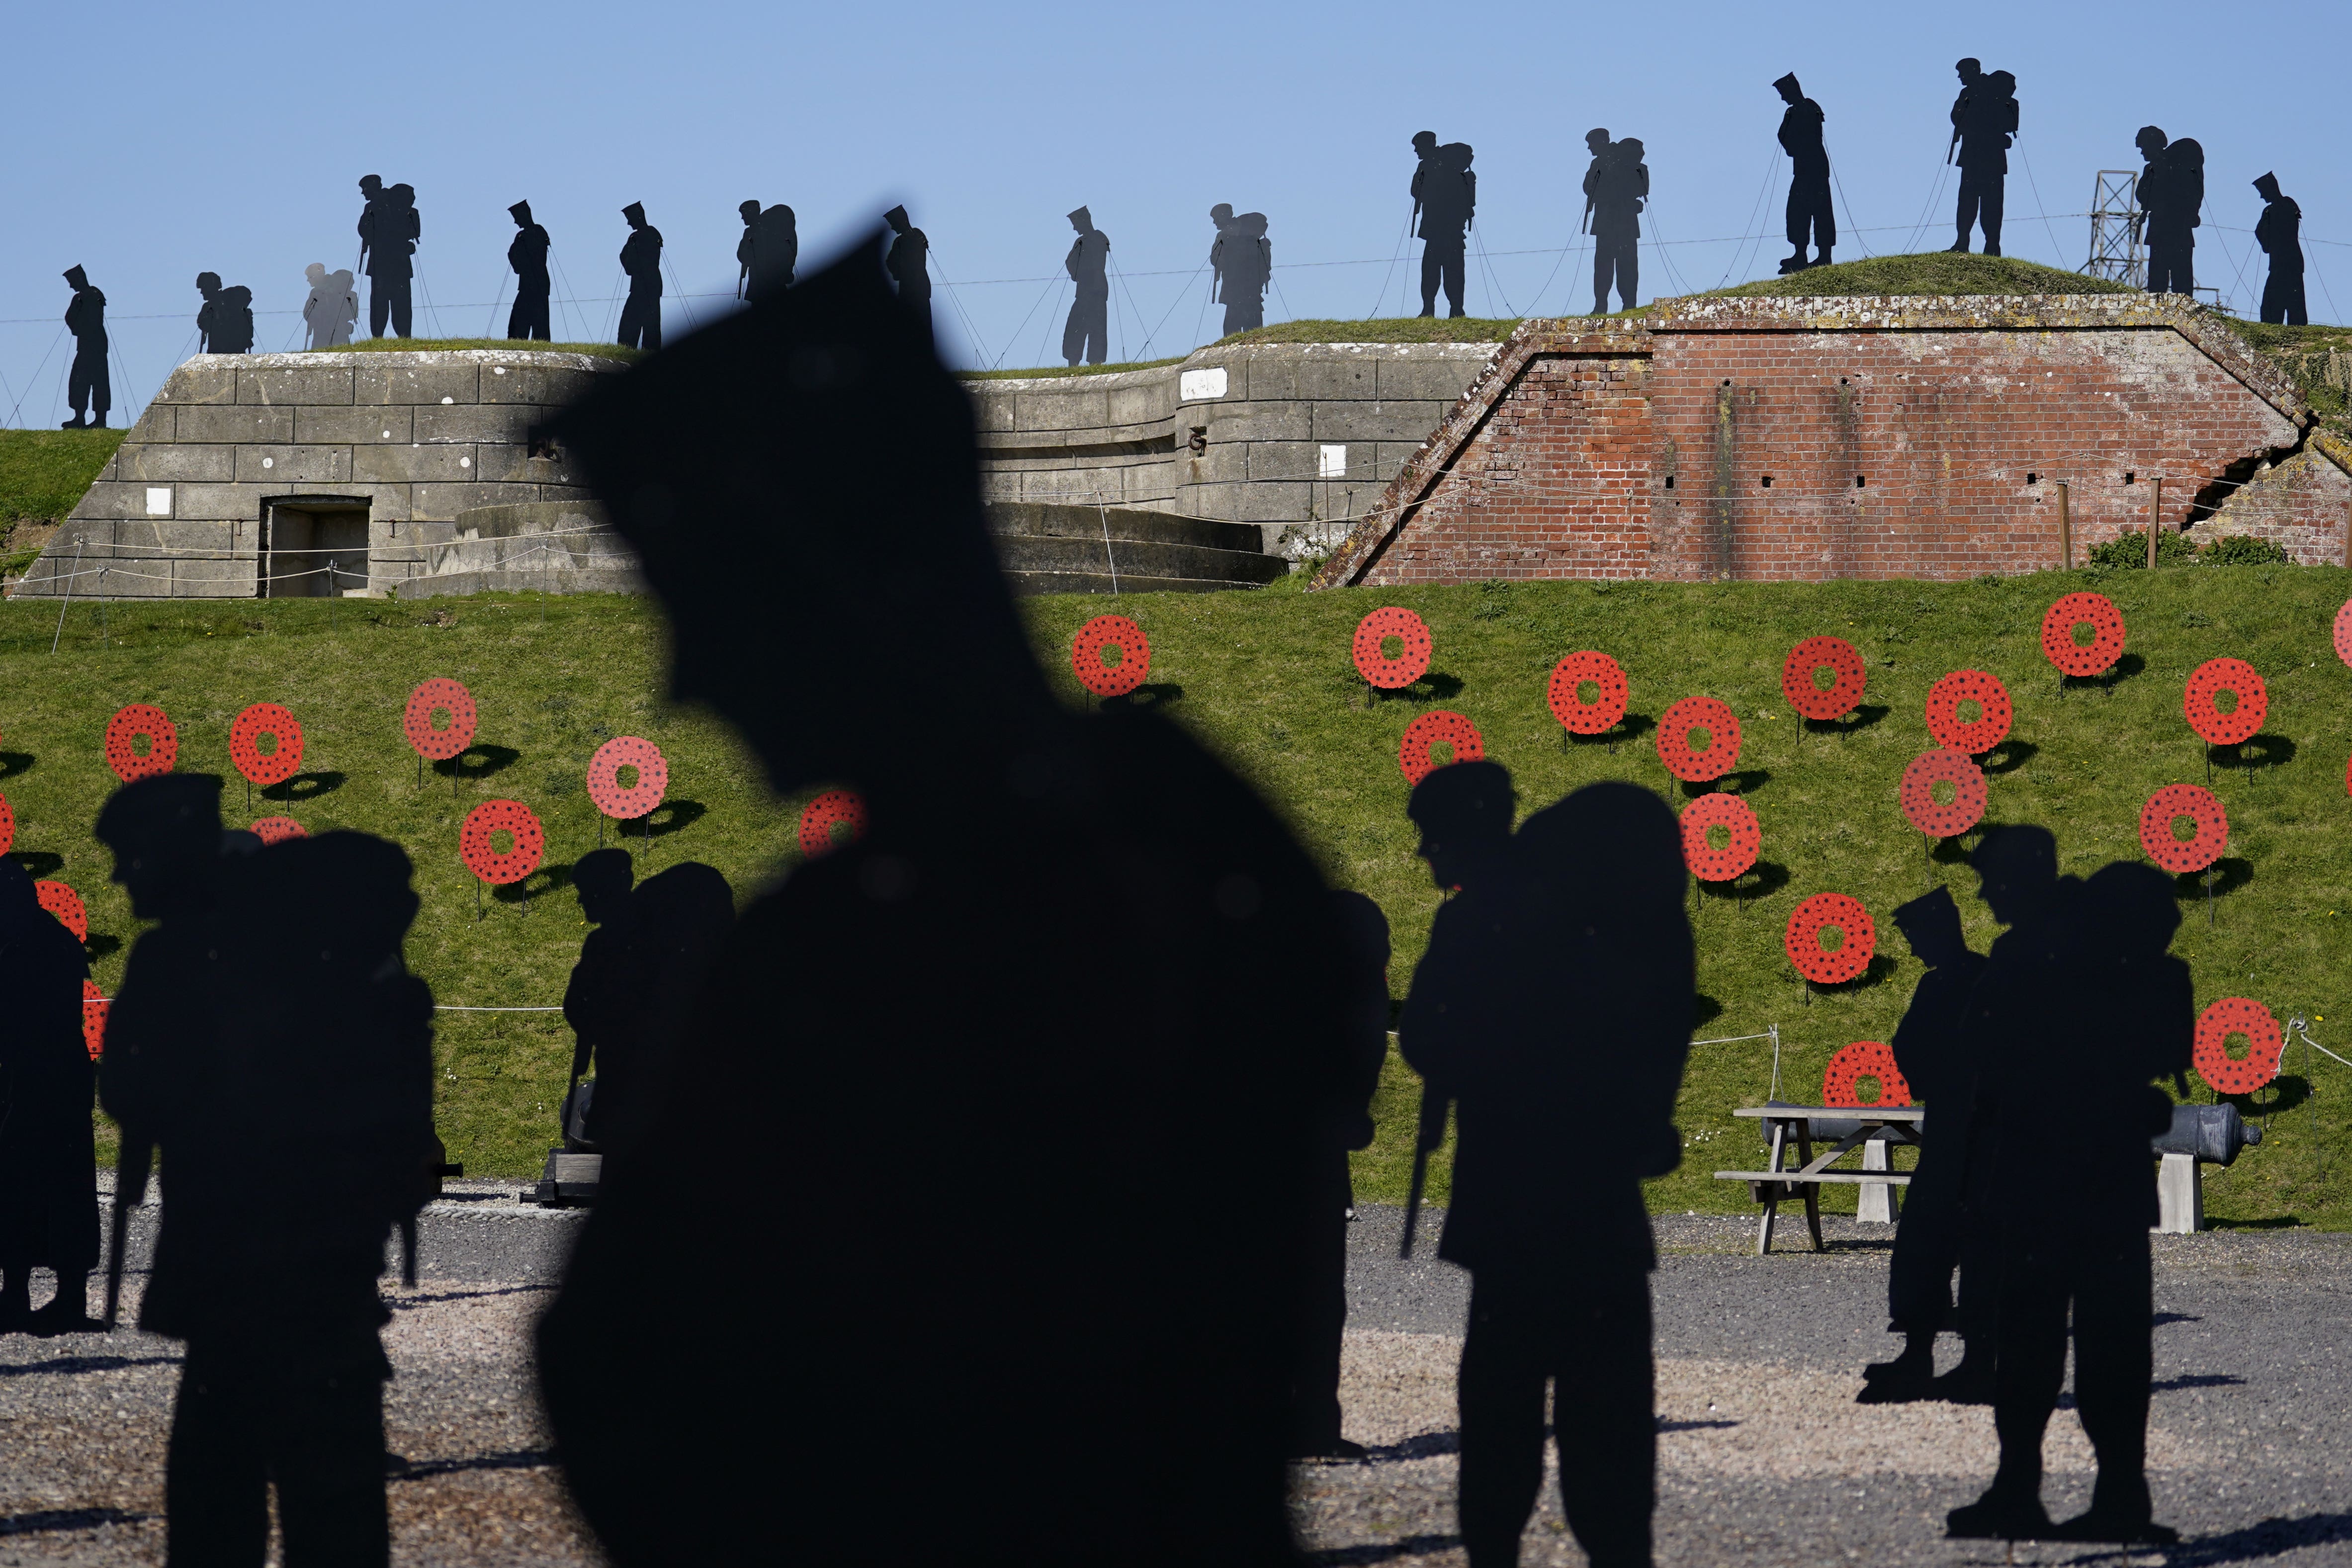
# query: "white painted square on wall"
1333,464
159,500
1194,386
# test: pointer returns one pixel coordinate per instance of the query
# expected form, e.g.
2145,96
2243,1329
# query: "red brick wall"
1901,438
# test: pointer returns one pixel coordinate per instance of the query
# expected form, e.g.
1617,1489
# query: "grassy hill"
1265,678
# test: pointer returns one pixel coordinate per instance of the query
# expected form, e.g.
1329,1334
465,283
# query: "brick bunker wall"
1775,439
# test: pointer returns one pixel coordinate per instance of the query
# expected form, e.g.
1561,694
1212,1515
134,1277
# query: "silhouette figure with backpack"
390,228
1616,187
1984,126
225,324
48,1156
332,308
2171,197
974,1022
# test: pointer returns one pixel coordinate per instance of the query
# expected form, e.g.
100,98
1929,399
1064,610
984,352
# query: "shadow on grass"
672,815
1150,694
1862,718
1758,881
1630,728
304,786
2230,873
478,761
13,762
2249,756
2013,754
38,863
2283,1093
98,944
2273,1222
1705,1010
543,881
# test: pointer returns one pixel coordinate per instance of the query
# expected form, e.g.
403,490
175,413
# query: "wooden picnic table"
1875,1125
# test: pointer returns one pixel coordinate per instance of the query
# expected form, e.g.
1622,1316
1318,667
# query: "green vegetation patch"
1047,371
1386,330
1930,272
43,473
501,345
1265,679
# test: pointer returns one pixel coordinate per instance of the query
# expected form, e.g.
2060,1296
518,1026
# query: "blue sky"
160,140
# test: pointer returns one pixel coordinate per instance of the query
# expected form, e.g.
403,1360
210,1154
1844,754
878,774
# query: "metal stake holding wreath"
2225,702
1387,669
632,798
2082,635
265,721
2162,821
1824,679
1587,694
440,723
1829,939
1942,795
1968,711
1730,820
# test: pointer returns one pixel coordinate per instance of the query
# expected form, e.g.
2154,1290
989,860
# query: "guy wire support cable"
1772,1033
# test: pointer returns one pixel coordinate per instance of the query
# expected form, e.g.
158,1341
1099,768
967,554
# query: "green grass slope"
1930,272
1265,678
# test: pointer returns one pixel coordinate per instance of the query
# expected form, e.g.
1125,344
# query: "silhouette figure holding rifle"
959,1020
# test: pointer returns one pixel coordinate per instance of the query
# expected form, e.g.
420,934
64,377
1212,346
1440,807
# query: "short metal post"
2155,517
78,540
2065,530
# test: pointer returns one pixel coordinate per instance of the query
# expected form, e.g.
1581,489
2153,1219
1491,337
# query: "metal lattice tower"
2116,252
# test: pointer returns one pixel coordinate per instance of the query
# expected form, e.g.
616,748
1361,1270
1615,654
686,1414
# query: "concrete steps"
1052,548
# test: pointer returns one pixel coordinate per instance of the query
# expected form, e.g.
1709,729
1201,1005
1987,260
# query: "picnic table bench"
1871,1128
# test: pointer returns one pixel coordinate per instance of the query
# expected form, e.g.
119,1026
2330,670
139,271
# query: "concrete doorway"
313,547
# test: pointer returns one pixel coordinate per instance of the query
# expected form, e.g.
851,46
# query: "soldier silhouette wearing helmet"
2171,195
958,1002
1809,214
1444,205
641,324
1084,336
910,264
49,1159
527,254
225,324
1984,123
1241,262
2279,231
390,228
89,390
1616,185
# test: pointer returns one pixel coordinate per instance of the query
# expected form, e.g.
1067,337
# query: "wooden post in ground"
2155,519
2065,530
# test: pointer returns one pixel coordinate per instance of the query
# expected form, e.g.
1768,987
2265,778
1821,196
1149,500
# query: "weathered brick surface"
1811,439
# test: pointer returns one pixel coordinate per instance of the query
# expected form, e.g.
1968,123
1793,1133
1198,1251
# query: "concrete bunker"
312,547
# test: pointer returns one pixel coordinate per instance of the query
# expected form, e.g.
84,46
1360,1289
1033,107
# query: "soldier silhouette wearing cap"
1241,263
1616,185
909,263
527,254
1935,1236
1808,213
1445,204
2279,231
390,227
932,1010
49,1159
1984,121
641,325
89,390
2171,193
1086,335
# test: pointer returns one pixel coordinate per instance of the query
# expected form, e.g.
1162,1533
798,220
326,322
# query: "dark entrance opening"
313,547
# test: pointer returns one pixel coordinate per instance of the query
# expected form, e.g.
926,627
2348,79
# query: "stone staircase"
1048,547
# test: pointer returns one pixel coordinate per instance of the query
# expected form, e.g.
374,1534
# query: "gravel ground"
1764,1458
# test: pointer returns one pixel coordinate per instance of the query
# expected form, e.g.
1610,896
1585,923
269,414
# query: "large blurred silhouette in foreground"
271,1041
1554,1005
2081,991
970,1189
48,1159
1932,1052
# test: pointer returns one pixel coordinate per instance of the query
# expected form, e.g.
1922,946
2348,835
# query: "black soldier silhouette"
1809,214
1444,205
641,323
1315,1415
390,227
2171,192
527,255
1984,121
89,390
959,1020
48,1158
910,264
768,252
2279,231
1240,263
1086,335
1616,186
636,977
2104,1009
225,324
1931,1050
1559,979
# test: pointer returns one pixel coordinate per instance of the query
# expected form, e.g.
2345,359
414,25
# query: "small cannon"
2201,1135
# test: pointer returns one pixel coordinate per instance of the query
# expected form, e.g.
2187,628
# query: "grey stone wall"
1295,438
414,437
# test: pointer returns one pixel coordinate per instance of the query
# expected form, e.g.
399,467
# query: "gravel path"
1764,1458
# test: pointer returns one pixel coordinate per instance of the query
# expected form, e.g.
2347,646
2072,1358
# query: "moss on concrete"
429,345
